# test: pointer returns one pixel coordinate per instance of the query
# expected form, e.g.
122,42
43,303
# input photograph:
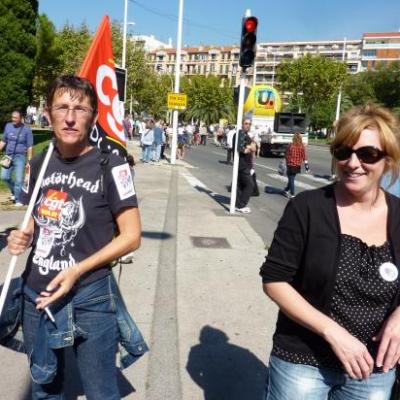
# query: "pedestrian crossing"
267,176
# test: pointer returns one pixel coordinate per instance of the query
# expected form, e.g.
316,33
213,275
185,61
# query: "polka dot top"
362,297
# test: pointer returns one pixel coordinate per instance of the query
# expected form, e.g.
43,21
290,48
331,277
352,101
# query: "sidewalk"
194,290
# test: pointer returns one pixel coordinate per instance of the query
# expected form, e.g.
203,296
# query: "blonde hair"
297,139
371,116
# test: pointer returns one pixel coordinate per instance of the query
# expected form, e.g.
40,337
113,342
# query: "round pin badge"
388,271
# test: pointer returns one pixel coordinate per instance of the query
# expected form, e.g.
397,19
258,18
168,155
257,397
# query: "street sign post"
177,101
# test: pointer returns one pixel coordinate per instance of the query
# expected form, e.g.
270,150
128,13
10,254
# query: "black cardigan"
304,253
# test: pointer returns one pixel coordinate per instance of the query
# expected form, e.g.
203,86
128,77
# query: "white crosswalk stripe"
316,178
297,182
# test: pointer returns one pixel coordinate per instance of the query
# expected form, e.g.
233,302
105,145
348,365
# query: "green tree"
359,88
143,84
17,54
386,84
312,81
47,56
208,99
116,39
74,44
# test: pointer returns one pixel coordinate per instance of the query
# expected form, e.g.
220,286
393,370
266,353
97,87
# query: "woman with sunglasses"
332,268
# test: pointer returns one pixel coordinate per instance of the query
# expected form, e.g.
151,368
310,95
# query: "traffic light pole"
177,79
235,153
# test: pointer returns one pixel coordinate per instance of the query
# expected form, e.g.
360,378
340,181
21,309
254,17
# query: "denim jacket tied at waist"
102,295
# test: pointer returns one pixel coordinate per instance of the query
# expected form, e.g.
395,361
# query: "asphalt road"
210,168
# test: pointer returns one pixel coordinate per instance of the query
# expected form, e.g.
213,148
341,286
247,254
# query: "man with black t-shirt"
72,233
246,147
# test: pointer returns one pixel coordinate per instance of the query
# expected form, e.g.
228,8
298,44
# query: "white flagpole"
25,223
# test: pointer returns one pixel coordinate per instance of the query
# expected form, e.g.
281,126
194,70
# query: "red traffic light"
250,24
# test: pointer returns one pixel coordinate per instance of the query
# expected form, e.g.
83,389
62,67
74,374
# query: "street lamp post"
339,98
177,78
273,68
123,63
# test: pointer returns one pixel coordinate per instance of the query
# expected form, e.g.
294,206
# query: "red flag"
99,68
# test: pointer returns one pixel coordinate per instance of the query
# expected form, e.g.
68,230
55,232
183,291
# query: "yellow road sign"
177,101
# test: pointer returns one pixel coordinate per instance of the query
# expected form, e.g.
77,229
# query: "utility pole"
177,81
339,98
125,28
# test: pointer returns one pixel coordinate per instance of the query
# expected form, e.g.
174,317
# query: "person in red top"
295,156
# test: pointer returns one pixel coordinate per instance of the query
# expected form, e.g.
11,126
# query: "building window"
369,53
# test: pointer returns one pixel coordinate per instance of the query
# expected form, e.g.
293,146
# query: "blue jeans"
18,168
287,381
290,185
146,152
157,152
95,355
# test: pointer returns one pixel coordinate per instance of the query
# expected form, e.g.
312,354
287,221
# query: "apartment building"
223,61
150,43
269,55
378,48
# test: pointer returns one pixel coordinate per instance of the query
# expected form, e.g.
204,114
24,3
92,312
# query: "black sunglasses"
366,154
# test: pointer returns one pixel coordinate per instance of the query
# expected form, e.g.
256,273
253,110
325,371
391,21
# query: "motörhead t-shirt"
74,212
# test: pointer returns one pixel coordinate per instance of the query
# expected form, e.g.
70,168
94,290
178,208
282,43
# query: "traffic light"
248,42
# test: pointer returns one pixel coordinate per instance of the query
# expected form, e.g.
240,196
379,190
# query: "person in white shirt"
229,144
146,141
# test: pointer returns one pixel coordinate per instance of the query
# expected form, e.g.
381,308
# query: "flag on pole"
99,68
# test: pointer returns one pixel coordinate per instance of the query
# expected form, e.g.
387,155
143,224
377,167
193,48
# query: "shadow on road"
274,190
219,198
156,235
223,370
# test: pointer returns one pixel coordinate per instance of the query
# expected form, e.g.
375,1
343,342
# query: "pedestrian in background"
245,185
229,144
158,141
17,141
68,272
203,134
295,156
147,140
333,270
126,123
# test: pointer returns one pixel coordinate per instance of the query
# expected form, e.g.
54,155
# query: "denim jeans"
95,354
146,152
157,152
18,168
290,185
287,381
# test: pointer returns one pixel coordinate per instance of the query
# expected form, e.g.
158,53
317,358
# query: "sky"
218,22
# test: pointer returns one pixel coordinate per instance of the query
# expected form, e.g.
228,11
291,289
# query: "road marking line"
315,178
297,183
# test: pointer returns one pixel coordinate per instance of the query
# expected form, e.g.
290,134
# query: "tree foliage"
208,99
17,54
386,84
74,44
47,58
313,83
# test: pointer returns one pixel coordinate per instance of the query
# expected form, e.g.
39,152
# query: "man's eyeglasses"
366,154
247,123
62,110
